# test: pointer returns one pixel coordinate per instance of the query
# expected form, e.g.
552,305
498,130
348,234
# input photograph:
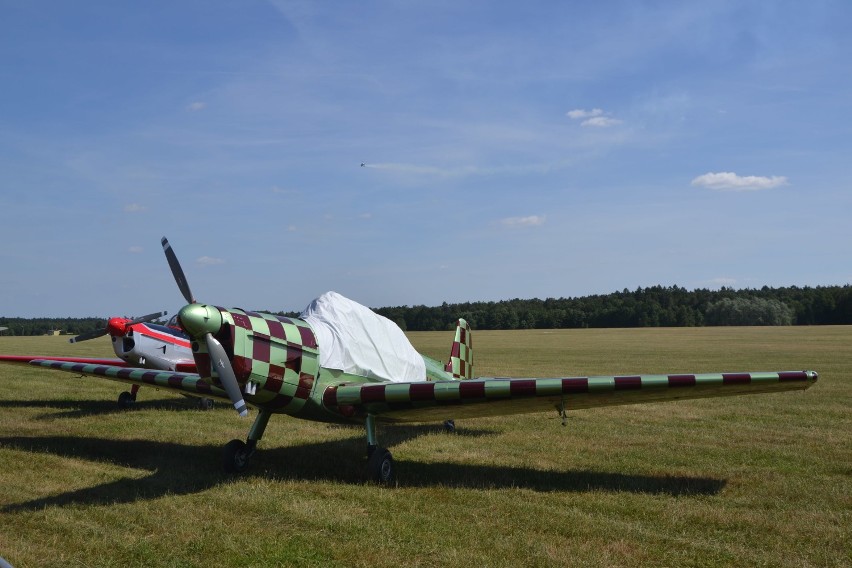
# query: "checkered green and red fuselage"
276,355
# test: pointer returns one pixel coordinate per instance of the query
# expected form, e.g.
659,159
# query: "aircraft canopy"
354,339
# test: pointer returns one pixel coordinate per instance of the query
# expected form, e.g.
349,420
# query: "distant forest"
656,306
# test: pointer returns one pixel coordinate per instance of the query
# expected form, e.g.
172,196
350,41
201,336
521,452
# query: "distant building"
54,332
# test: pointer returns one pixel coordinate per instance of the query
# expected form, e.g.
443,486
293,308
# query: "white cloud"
579,113
209,261
409,168
517,222
601,121
733,182
462,171
195,106
134,208
595,117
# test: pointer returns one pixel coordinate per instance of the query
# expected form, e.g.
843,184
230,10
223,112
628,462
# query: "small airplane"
363,164
137,342
340,362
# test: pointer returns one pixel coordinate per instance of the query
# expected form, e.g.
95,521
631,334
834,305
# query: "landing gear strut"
380,466
236,454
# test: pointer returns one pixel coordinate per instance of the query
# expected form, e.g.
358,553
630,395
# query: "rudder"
461,354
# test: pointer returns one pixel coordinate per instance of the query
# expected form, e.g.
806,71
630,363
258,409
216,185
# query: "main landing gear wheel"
235,456
380,467
205,404
126,400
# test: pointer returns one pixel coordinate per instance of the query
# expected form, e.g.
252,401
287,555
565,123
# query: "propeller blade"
88,335
218,357
177,271
220,360
149,317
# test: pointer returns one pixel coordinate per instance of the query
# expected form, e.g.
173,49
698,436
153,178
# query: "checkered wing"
438,400
183,382
25,359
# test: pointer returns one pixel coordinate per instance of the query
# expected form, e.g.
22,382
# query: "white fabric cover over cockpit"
354,339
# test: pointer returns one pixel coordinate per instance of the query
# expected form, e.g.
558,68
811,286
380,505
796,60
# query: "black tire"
205,403
126,400
235,456
450,426
380,467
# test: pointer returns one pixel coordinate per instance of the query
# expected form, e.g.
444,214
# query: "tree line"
655,306
41,326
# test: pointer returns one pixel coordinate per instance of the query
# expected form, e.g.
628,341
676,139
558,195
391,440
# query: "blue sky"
549,149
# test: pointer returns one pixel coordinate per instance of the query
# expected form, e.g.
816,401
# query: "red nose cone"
117,326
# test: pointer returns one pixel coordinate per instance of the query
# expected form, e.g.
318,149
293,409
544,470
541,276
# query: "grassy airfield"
752,480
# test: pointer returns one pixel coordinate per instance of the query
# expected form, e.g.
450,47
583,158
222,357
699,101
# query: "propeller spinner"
201,321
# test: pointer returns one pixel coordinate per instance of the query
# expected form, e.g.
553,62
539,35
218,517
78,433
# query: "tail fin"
461,355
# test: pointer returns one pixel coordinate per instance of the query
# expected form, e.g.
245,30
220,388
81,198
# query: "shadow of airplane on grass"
56,409
181,469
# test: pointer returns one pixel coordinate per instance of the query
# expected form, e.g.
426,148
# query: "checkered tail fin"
461,355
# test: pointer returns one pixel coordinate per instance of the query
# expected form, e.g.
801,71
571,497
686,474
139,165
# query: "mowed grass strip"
751,480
